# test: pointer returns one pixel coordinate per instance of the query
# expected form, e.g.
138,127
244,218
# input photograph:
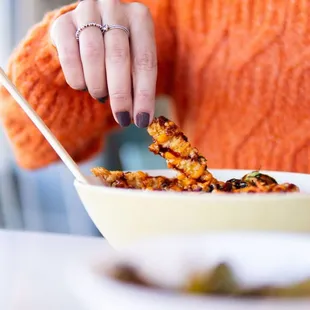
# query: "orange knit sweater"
238,72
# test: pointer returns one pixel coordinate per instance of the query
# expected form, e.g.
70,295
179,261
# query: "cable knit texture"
238,72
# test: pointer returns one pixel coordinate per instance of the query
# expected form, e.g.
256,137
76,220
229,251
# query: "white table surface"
33,269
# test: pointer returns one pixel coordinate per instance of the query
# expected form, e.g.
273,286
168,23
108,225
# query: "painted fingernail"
142,120
103,99
123,118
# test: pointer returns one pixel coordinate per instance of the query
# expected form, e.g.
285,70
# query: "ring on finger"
107,27
80,29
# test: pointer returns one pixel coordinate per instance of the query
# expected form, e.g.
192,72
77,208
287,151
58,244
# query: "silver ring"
107,27
78,32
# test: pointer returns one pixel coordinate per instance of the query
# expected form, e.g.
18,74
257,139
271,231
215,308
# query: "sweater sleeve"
75,118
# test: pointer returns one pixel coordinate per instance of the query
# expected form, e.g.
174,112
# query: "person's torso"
243,82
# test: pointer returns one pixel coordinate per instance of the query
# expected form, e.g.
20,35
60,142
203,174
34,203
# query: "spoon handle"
52,140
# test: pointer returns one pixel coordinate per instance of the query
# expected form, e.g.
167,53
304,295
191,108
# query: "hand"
111,64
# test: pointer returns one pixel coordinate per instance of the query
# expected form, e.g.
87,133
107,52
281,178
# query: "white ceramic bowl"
256,259
125,216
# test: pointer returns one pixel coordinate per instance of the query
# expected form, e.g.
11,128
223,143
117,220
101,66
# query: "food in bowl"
193,175
124,216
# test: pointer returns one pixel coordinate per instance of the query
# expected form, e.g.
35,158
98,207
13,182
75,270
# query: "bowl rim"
198,195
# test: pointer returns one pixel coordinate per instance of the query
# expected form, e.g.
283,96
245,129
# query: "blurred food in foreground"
218,281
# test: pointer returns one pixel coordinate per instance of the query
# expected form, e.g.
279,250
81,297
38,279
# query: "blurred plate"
256,258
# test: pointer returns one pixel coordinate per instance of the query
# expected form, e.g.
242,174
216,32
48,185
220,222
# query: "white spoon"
52,140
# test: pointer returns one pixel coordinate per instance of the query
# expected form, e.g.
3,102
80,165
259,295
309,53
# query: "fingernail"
123,118
103,99
142,120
